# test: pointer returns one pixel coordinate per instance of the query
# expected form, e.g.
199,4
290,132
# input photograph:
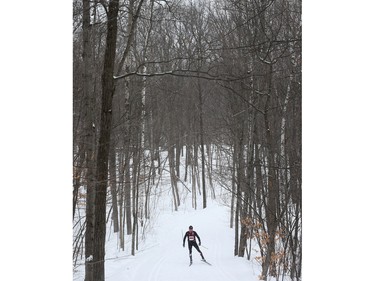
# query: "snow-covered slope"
162,256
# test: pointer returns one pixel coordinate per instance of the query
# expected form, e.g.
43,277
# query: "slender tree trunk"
271,210
196,166
127,194
241,203
113,185
135,204
193,182
178,156
237,220
187,161
77,177
76,185
209,170
244,209
127,184
234,192
121,203
201,133
171,158
259,181
238,198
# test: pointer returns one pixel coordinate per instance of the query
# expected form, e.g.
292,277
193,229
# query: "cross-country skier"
190,235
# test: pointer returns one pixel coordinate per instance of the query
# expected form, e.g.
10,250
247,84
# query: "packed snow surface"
162,257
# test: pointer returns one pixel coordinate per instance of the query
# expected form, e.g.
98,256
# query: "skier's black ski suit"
190,235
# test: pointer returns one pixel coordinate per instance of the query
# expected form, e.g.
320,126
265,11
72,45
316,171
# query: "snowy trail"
165,259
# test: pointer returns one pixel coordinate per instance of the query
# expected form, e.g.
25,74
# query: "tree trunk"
76,185
201,133
209,170
113,185
108,89
127,183
172,172
241,202
127,194
271,209
178,155
77,171
89,143
135,204
187,161
237,197
121,203
233,196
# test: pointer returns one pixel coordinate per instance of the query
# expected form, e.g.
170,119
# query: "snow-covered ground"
161,255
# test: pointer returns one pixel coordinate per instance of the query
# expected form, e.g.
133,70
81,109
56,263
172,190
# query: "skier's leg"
202,256
199,251
196,247
190,247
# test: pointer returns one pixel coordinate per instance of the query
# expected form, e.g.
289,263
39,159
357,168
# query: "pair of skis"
201,260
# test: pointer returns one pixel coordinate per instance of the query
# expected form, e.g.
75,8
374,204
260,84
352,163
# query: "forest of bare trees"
203,79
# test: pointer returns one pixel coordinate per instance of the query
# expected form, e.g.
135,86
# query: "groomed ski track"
163,257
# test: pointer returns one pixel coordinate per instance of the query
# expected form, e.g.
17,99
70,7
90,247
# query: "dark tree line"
218,82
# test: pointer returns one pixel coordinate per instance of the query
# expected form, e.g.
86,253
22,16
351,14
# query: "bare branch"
182,73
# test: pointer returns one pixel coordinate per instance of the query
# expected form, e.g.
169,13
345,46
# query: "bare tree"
201,80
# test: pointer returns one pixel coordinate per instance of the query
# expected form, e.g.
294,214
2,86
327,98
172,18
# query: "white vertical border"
36,140
338,139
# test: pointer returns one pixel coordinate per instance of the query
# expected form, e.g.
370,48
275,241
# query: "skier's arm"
199,239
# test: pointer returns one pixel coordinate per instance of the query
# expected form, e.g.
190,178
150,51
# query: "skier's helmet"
190,227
